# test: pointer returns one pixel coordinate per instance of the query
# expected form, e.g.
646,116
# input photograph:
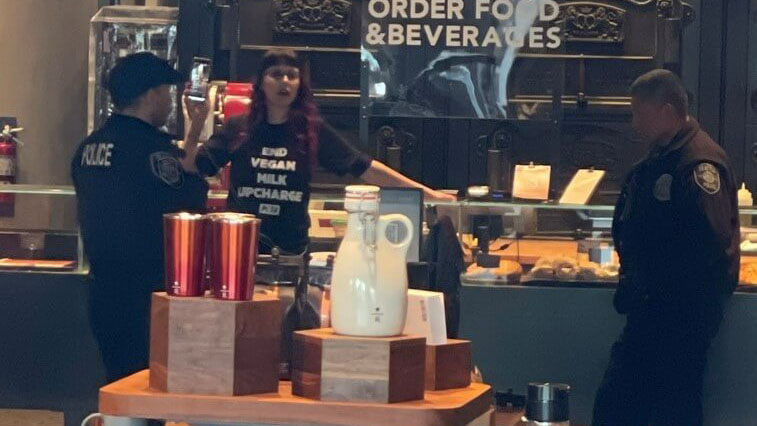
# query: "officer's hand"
197,111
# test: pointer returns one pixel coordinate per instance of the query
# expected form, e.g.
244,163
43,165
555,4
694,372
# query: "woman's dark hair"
304,118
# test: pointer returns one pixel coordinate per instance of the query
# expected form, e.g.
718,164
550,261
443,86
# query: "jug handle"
112,420
385,220
88,419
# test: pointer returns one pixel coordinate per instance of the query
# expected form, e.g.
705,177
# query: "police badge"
662,187
167,168
707,176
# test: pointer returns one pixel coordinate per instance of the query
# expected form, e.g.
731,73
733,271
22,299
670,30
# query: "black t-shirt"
271,172
127,175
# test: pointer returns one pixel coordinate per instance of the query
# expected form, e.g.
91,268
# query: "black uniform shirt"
676,227
271,172
127,174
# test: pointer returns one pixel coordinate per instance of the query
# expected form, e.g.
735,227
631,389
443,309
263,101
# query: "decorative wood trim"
313,16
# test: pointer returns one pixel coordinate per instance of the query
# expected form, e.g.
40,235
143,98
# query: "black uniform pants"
120,320
655,375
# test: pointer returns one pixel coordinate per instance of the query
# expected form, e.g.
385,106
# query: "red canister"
233,255
184,242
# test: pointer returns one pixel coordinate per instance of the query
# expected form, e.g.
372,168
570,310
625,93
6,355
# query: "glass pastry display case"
531,243
548,244
537,243
39,230
748,269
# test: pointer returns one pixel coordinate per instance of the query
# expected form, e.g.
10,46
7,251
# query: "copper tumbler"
209,249
184,242
233,255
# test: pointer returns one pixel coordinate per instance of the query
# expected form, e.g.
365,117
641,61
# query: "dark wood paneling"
412,150
336,70
435,137
733,107
605,146
478,132
749,157
457,154
526,141
406,133
711,67
258,22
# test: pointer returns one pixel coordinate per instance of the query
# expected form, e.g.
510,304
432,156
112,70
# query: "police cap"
137,73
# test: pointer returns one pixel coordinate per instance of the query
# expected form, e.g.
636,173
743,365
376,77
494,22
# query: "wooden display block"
201,345
448,366
331,367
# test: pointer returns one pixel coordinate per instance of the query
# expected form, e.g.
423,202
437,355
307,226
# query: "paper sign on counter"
583,185
531,182
425,316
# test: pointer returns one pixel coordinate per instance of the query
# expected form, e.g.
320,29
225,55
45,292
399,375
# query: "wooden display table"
131,397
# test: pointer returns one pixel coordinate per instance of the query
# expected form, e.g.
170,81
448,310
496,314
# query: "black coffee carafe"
547,404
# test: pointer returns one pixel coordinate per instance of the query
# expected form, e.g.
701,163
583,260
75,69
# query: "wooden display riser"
202,345
131,397
331,367
448,366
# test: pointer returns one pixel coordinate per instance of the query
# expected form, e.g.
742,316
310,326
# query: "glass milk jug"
369,281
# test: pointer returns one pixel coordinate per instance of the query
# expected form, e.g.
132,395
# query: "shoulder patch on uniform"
167,168
707,177
662,187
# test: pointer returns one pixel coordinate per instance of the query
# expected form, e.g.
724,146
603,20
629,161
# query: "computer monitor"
409,202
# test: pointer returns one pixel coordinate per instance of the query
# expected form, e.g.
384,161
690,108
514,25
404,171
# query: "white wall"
43,81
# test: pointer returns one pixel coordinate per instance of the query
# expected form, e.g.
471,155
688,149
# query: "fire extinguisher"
8,166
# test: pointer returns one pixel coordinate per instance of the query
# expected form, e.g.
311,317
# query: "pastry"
545,262
566,273
590,271
507,271
748,273
611,271
565,268
550,268
543,273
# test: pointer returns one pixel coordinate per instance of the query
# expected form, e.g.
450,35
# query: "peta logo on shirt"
97,154
270,209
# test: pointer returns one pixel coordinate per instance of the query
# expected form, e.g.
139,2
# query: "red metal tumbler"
233,255
184,242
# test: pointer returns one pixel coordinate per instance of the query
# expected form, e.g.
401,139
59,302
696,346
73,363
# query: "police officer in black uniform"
677,234
127,175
